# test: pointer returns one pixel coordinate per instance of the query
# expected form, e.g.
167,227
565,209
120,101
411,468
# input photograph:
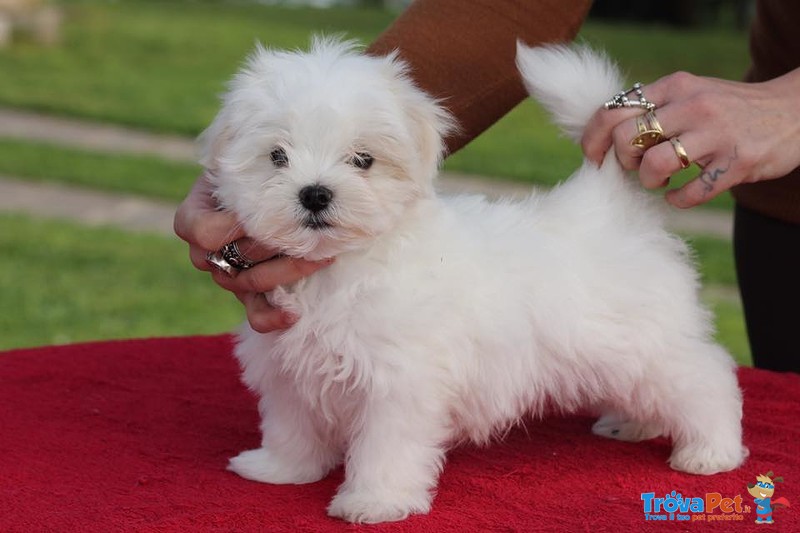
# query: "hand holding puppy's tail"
571,82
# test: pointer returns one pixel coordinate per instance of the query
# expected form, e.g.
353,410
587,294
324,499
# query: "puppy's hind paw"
698,459
613,426
368,507
262,465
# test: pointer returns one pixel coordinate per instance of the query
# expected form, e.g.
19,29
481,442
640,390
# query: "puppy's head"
320,152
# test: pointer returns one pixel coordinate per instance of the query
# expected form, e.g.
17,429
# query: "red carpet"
135,436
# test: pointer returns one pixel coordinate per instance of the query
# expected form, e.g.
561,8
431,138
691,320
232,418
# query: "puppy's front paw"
613,426
262,465
372,507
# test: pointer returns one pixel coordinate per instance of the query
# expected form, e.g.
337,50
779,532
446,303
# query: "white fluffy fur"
445,319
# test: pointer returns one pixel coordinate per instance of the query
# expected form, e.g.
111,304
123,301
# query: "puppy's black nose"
315,198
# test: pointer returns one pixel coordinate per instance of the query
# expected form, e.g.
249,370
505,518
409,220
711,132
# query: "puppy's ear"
430,121
213,139
432,124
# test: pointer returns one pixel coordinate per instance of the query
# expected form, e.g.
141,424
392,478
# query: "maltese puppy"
446,320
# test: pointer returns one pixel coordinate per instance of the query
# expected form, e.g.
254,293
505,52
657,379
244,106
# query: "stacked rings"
650,132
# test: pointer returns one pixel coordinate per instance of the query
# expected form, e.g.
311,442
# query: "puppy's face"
318,153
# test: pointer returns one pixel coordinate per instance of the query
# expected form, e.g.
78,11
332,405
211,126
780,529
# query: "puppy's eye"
362,160
279,157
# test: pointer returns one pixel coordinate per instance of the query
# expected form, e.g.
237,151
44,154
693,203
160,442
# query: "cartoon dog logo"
762,492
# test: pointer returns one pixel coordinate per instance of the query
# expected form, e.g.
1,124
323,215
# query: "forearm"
463,51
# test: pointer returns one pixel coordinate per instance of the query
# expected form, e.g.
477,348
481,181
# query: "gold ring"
683,157
650,131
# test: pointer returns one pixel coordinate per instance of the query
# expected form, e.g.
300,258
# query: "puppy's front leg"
394,462
292,451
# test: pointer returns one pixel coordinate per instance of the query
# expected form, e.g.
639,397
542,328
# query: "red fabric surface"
135,436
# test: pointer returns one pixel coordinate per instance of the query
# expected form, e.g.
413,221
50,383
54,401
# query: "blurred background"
120,88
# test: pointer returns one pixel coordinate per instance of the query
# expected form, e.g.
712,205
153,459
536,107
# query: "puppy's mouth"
316,221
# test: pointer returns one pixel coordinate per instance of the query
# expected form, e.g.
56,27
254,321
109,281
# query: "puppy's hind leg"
704,415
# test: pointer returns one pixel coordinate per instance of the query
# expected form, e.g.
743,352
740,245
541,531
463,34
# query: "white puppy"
451,319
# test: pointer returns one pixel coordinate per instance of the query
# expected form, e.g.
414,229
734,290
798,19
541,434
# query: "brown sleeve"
462,51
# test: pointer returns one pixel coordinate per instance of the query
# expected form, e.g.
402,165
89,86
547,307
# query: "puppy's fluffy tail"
572,82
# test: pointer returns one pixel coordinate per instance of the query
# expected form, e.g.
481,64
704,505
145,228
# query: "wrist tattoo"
709,177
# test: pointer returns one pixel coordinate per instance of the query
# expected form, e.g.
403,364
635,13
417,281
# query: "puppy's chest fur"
358,318
360,329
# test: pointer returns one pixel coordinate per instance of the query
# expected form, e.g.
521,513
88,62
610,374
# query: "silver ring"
229,259
231,253
216,260
621,99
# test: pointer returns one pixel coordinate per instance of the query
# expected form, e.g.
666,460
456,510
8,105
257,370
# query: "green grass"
730,329
160,65
69,283
717,51
141,175
714,259
64,283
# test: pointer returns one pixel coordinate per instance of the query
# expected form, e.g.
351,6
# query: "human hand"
201,223
736,132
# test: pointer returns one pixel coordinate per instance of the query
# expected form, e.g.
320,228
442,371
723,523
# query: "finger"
198,221
663,121
250,249
265,276
197,256
262,317
210,230
714,178
254,251
660,162
628,155
597,136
